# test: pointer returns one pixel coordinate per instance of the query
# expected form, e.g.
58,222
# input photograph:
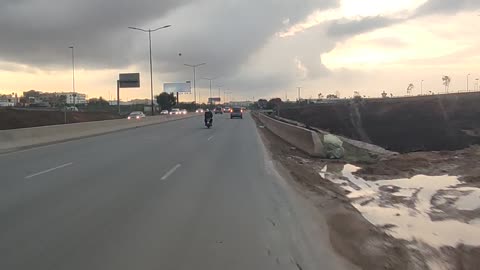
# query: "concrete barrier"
302,138
374,149
14,139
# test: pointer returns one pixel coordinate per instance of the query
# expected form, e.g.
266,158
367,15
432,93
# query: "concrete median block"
304,139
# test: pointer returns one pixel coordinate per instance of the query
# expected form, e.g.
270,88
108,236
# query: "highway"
169,196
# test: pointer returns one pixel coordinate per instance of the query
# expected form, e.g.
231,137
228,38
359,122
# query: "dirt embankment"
374,246
428,123
351,235
12,119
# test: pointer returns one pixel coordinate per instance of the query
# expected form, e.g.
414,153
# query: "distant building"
8,100
240,103
122,103
141,101
33,97
74,98
133,102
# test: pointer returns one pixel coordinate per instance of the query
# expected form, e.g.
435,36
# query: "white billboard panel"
185,88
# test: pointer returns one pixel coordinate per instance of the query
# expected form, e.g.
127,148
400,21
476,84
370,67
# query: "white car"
199,111
136,115
183,111
164,112
175,111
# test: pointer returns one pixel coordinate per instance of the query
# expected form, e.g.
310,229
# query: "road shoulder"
349,233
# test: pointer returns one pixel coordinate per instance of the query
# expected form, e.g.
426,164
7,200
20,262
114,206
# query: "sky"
254,48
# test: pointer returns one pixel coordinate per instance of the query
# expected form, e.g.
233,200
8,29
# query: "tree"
32,94
446,81
274,103
384,94
98,102
332,96
262,103
410,88
166,101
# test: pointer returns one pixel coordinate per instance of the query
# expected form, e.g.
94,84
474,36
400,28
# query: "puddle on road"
427,208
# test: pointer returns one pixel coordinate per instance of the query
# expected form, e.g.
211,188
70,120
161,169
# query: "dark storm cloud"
38,32
446,6
342,28
226,34
222,32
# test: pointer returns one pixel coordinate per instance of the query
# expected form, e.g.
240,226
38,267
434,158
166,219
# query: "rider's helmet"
207,110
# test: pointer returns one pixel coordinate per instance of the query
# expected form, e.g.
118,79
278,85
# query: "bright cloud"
354,10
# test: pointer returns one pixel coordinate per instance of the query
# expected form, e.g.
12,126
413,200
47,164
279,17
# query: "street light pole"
151,69
73,73
225,95
211,80
477,84
149,31
467,80
194,67
299,93
219,89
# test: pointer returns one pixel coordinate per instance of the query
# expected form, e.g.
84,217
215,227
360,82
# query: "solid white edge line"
49,170
172,170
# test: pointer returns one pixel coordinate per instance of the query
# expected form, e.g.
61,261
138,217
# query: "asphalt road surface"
169,196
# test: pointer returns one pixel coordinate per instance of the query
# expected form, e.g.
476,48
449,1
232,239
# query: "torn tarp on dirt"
333,147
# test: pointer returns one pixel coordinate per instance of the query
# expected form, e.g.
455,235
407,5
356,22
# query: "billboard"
129,80
214,99
182,88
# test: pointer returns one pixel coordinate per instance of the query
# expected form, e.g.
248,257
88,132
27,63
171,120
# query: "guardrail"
302,138
11,140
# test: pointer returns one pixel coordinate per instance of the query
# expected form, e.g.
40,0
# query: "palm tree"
446,81
410,88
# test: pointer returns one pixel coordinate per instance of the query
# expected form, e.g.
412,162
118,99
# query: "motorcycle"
208,122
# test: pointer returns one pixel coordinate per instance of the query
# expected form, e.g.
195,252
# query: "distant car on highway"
136,115
183,111
164,112
175,111
236,113
227,110
199,111
70,109
218,110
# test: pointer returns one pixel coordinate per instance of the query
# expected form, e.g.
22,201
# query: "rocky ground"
353,191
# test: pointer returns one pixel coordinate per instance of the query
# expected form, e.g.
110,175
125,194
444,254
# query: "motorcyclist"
208,116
